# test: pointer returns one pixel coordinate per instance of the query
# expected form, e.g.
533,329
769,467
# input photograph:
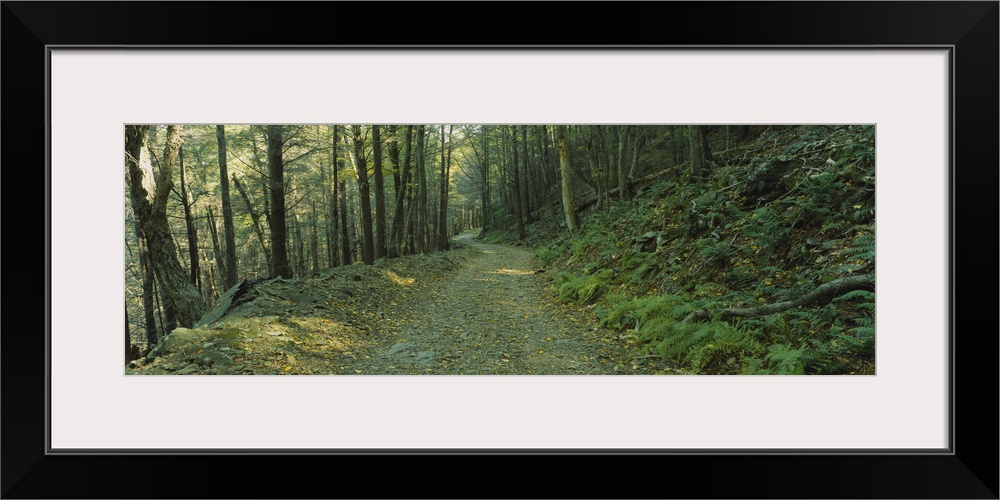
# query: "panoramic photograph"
499,249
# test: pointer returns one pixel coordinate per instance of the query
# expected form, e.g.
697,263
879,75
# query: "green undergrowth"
792,209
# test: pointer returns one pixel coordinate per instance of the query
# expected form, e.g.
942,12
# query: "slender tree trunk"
380,243
361,169
398,220
706,150
217,250
151,212
314,239
394,160
566,169
342,256
255,218
527,184
422,212
443,204
345,240
276,168
487,208
299,246
518,214
192,230
594,168
694,144
635,156
675,144
327,208
231,272
623,193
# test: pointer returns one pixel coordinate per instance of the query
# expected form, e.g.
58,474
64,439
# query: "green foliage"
714,251
547,255
790,211
862,248
582,289
785,360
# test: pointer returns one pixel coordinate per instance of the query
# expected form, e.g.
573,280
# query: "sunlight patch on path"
516,272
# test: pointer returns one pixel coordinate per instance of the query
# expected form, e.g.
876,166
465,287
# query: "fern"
786,361
862,248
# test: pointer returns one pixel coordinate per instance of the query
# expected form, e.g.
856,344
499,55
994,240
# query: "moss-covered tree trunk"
151,212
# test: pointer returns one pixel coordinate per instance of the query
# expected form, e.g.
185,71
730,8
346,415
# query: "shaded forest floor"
479,309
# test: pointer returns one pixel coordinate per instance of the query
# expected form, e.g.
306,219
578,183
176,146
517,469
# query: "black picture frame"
968,470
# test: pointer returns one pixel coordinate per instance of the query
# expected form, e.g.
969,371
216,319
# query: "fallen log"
828,291
226,300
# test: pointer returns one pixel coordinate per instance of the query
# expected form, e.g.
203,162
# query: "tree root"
823,292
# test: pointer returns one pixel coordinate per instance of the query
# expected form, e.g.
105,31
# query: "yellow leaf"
288,368
548,338
200,351
767,282
540,351
357,371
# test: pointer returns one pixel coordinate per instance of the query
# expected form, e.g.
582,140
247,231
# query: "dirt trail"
480,310
493,316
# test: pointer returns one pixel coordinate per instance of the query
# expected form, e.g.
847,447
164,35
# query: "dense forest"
499,249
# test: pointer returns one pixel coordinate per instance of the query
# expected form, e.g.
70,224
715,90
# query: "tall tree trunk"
380,244
595,169
706,150
566,169
192,231
675,144
528,186
148,279
343,256
518,214
231,272
485,165
345,240
394,160
398,220
632,172
314,239
151,212
327,209
623,193
276,168
422,213
128,337
361,169
694,144
443,204
540,136
216,249
255,218
299,249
